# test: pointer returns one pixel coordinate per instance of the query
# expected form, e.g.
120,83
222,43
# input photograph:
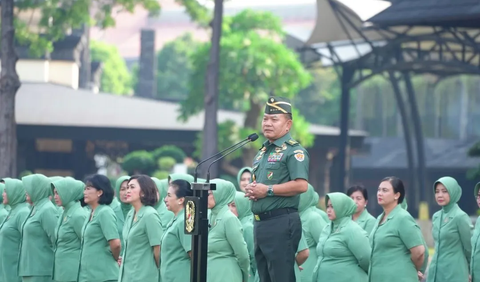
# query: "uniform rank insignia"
299,155
278,149
284,147
292,142
275,157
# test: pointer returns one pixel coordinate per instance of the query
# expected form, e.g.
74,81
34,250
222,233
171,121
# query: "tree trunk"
251,121
210,129
9,84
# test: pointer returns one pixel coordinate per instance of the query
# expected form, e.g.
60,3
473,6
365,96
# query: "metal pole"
347,75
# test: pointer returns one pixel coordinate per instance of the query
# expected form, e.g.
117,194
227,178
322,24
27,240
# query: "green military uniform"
175,261
3,210
11,230
343,248
278,228
391,242
475,260
96,259
452,236
165,215
366,221
227,250
312,226
142,232
302,246
246,218
38,231
404,206
69,230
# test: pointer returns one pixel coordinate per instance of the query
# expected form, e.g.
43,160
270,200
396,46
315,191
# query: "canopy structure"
397,39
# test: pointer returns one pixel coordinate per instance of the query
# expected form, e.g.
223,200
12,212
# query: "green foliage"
174,67
160,174
170,151
115,76
319,103
230,133
474,152
56,17
198,13
166,163
254,64
24,173
138,162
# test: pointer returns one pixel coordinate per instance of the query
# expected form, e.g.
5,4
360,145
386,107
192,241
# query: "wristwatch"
270,190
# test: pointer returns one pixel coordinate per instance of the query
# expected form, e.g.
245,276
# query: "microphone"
252,137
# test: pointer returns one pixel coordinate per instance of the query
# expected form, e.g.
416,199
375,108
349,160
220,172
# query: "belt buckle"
257,217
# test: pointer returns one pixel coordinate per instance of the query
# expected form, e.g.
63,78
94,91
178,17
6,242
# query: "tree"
115,74
56,17
254,64
210,101
474,152
174,68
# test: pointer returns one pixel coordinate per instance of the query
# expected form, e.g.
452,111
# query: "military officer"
280,174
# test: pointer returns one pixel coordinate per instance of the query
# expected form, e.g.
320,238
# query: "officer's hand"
257,191
248,189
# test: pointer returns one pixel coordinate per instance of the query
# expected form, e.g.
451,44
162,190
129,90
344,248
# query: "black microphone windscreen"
252,137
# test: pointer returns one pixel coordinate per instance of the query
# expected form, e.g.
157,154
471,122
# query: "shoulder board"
292,142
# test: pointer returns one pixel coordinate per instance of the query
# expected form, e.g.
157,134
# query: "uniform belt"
273,213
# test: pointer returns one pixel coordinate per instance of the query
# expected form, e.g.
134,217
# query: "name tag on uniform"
275,157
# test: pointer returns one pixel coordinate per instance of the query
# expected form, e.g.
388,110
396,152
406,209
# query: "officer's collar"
279,142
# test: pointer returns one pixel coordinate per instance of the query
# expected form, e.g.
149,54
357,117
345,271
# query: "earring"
365,206
396,198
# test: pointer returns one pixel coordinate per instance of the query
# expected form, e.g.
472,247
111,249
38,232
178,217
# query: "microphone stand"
196,220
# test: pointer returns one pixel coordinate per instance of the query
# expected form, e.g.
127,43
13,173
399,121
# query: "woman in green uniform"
120,207
59,208
404,206
227,250
120,193
312,226
67,194
3,209
175,254
11,229
165,215
142,232
451,233
396,239
38,231
100,240
241,207
362,217
244,177
343,248
475,260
